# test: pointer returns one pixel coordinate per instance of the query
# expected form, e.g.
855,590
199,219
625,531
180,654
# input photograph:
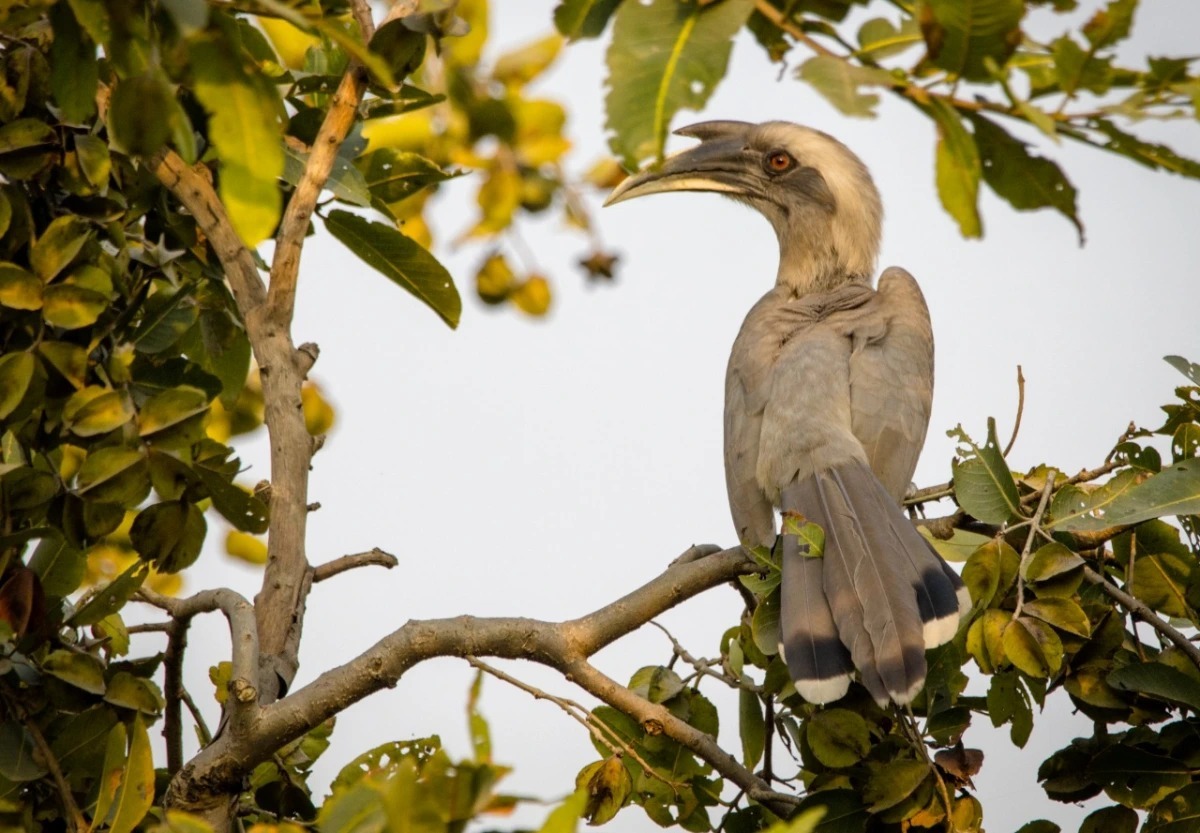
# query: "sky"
545,467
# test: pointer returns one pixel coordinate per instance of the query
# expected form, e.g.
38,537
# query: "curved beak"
719,163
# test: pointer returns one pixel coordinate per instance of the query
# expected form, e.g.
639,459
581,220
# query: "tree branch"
220,766
1140,610
244,683
375,557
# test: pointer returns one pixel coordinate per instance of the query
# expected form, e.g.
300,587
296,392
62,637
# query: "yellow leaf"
247,547
465,50
111,774
318,413
137,782
520,66
290,43
533,296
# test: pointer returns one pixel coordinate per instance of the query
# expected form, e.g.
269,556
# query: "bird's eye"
779,161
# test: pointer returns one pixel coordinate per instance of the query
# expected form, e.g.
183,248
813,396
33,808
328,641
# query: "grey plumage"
828,392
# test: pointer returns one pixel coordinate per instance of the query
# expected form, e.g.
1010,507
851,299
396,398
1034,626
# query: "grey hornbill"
827,399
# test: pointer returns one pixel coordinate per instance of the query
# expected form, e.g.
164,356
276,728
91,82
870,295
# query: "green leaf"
565,817
752,727
17,760
79,740
1162,581
80,670
1179,812
169,535
764,625
243,510
1188,369
481,736
74,70
1075,505
963,35
1157,680
880,38
165,319
1033,647
110,598
136,693
140,113
246,128
665,56
392,175
170,408
72,307
655,683
958,169
1173,491
1151,155
838,737
94,410
58,245
1063,614
577,19
400,259
839,81
1025,181
893,782
114,475
136,793
842,810
59,566
93,17
344,182
1110,24
16,375
94,160
1040,826
960,545
983,485
1051,561
990,572
19,289
25,147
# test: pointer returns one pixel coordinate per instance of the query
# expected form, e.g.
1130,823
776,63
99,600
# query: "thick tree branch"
173,693
219,767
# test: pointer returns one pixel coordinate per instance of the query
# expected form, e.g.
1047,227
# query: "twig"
596,728
172,693
1034,528
1144,613
1020,411
205,733
373,557
150,627
704,667
75,819
777,17
928,494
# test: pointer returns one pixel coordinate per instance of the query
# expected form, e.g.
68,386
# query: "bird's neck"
810,260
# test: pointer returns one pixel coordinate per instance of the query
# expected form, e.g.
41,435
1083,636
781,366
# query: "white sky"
544,468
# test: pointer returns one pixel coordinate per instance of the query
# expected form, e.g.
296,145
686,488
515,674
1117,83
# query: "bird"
827,398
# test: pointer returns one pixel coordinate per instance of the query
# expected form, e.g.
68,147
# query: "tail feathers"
936,586
867,583
818,662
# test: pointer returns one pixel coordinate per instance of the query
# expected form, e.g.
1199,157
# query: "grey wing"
752,512
891,379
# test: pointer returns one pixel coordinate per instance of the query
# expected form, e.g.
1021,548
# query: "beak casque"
718,163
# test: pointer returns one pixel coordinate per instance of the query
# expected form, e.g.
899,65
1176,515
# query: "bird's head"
815,192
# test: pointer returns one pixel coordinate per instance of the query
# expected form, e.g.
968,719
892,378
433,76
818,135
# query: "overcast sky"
544,468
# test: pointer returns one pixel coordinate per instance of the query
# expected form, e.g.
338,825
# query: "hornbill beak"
721,162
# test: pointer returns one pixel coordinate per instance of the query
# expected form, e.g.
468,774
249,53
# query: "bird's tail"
878,597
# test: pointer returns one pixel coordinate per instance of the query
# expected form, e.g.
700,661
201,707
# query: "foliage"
148,147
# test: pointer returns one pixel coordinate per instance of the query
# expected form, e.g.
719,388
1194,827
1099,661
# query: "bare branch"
75,819
374,557
244,685
220,766
1143,612
194,710
1034,529
173,693
1020,412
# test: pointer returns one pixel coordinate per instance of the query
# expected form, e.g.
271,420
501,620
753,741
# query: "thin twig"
704,667
201,725
150,627
373,557
1020,411
1034,527
596,728
1144,613
75,818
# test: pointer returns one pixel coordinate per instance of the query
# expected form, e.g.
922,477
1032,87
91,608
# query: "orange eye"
779,161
